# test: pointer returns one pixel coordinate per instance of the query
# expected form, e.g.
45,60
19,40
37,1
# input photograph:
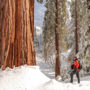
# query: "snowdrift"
31,78
22,78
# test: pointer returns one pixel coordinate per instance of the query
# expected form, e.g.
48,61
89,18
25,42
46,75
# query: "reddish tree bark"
76,28
17,28
57,66
8,32
31,7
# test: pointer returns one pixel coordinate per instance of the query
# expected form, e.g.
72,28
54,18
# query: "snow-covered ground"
22,78
45,67
37,78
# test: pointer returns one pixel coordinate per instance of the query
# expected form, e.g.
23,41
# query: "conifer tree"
16,30
83,31
54,30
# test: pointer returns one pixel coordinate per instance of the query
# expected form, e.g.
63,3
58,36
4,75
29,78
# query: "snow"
22,78
45,67
64,58
34,78
65,54
37,27
38,30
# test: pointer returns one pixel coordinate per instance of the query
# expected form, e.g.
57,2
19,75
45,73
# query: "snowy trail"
66,85
45,67
32,78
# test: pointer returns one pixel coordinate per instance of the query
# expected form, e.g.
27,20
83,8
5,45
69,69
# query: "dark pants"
77,74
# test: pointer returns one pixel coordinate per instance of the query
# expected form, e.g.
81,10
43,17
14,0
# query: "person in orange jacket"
75,69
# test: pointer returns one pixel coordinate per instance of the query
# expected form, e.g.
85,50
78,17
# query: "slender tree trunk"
88,4
0,46
57,67
76,28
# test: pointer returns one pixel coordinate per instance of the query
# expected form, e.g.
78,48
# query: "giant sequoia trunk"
16,33
57,66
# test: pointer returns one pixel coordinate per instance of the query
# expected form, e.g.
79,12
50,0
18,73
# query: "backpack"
80,66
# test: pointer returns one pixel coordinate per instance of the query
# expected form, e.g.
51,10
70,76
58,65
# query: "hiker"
76,66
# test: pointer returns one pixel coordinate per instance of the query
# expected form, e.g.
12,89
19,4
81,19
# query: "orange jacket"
76,65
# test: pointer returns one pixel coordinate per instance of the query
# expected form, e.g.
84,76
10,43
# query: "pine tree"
83,31
76,28
54,30
57,66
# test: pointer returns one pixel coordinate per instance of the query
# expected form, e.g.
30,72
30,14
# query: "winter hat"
75,58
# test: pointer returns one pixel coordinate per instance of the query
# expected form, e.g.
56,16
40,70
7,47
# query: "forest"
41,41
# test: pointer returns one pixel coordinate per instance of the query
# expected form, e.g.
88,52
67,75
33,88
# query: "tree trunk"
31,3
57,67
76,28
16,30
6,20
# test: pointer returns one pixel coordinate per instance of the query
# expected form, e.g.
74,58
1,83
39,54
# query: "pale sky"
39,13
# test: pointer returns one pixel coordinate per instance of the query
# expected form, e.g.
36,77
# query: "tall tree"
57,66
83,31
17,28
55,31
76,28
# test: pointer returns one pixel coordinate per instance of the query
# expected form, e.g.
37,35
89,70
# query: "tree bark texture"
76,28
57,66
16,33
